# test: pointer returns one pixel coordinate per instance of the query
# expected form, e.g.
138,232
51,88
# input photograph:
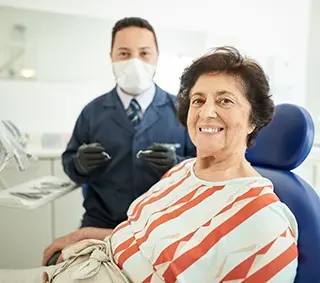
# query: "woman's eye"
226,101
197,101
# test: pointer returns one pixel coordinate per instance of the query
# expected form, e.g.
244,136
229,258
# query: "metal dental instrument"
142,152
106,155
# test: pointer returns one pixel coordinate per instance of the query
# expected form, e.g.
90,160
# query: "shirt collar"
144,99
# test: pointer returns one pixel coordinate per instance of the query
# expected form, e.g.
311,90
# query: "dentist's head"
134,54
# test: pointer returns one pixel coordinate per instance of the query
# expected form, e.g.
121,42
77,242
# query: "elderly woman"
209,219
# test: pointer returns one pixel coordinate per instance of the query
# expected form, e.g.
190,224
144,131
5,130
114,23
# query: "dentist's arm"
82,158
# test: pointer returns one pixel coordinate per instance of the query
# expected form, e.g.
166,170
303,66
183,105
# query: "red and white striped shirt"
188,230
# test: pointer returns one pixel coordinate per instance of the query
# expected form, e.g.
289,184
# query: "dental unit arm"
12,146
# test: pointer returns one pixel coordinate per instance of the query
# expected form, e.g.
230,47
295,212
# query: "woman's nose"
208,110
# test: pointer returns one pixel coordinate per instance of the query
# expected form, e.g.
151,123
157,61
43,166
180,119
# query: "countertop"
45,153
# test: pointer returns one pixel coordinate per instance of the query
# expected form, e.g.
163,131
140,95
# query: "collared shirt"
144,99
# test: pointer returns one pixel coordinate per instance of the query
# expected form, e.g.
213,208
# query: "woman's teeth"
210,130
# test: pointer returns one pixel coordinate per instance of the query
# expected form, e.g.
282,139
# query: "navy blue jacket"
125,177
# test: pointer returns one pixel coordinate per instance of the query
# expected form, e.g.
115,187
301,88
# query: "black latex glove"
160,157
90,156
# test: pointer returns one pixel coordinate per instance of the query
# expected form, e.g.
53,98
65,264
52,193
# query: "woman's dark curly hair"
228,60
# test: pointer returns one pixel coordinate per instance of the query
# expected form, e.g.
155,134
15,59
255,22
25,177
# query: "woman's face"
218,117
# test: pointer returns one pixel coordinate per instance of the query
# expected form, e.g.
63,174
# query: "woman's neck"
218,169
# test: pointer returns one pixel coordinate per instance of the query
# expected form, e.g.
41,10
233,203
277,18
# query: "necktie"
134,112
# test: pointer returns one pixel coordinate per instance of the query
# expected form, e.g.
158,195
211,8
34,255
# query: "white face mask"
134,76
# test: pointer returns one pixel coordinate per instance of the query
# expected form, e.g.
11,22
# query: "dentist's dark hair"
228,60
132,22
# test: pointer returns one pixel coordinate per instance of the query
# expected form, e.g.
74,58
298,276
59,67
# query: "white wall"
45,106
313,86
276,35
58,48
185,15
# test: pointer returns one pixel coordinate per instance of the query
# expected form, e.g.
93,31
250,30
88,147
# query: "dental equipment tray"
32,194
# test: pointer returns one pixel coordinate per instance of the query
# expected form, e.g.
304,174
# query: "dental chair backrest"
281,147
85,189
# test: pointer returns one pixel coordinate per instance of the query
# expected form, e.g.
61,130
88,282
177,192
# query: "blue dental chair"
281,147
85,189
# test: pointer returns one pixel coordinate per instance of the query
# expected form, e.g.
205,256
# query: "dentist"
137,115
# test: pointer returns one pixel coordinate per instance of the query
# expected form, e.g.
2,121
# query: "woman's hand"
83,233
58,245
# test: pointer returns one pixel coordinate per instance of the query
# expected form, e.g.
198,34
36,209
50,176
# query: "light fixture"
27,73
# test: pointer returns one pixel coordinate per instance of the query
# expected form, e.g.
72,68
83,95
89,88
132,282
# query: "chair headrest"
286,141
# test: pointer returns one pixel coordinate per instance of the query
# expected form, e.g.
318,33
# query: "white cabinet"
68,213
26,233
68,209
24,236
